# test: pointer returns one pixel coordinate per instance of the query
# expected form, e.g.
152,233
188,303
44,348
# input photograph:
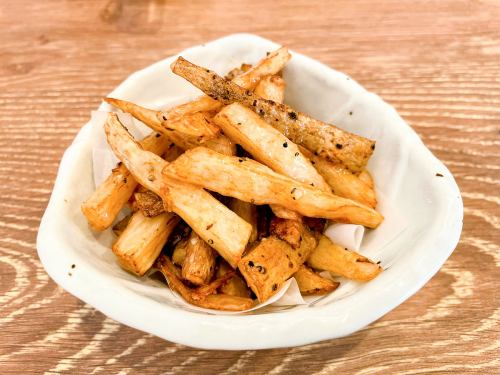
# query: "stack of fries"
264,221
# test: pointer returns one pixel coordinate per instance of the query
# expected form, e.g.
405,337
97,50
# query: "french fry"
142,240
323,139
343,182
222,145
328,256
273,261
367,178
210,301
267,145
199,263
247,212
179,253
235,286
270,65
149,203
253,182
109,198
311,283
237,71
289,231
220,227
186,122
271,88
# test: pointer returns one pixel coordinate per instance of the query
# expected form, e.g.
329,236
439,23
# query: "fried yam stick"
199,263
220,227
210,301
267,145
247,212
253,182
343,182
109,198
149,203
235,286
310,283
271,88
331,257
323,139
273,261
142,240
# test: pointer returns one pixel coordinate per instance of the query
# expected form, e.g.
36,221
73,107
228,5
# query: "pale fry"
211,301
247,212
323,139
142,240
311,283
273,261
199,263
267,145
331,257
271,88
109,198
253,182
221,228
343,182
270,65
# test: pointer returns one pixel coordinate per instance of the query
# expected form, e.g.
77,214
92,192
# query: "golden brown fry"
237,71
287,230
222,145
182,120
273,261
210,301
270,65
323,139
220,227
311,283
179,253
141,242
247,212
109,198
235,286
199,263
253,182
271,88
267,145
367,178
331,257
343,182
149,203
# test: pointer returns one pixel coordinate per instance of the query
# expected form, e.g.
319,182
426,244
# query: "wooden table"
437,62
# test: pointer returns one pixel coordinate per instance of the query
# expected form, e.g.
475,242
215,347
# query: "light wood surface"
437,62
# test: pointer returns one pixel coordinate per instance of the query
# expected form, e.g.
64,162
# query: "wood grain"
436,61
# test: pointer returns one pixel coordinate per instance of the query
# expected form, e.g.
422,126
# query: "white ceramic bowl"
404,170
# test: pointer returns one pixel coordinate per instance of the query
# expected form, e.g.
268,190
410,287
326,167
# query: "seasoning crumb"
73,265
293,190
285,145
249,93
240,160
210,226
439,175
268,53
313,162
157,135
125,180
261,112
292,115
70,274
250,264
210,242
312,184
164,118
275,286
254,103
252,201
350,113
339,146
208,71
290,264
297,154
373,146
379,262
239,123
